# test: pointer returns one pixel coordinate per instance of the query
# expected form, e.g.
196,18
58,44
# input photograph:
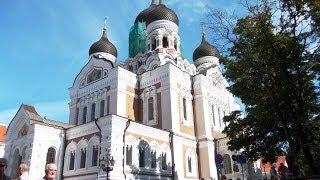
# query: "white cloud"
190,10
57,110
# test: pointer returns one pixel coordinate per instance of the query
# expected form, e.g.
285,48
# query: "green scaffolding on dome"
137,39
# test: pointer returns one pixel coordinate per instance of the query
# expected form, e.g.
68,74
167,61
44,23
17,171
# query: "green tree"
273,65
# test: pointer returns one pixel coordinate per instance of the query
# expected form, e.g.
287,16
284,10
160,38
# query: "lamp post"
107,163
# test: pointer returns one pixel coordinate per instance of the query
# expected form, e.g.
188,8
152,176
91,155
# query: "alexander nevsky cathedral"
155,115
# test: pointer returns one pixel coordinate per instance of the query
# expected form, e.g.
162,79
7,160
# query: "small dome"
157,12
205,49
103,45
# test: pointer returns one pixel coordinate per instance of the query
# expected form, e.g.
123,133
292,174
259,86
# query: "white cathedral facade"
156,114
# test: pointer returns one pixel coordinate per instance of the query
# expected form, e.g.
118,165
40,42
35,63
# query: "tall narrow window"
83,158
77,116
101,108
213,114
93,111
165,42
175,44
51,154
141,157
84,115
164,161
108,105
227,164
95,154
153,159
154,42
129,155
189,165
150,109
71,161
184,108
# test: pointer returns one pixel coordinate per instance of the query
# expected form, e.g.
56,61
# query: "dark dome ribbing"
157,12
205,49
103,45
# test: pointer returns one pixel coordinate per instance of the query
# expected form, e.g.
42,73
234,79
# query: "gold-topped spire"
105,22
202,27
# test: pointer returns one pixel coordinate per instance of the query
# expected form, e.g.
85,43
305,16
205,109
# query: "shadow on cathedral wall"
152,165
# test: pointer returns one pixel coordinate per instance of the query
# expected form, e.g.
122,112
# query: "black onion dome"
103,45
142,16
157,12
205,49
161,12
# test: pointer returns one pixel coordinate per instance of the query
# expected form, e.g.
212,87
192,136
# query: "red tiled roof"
3,130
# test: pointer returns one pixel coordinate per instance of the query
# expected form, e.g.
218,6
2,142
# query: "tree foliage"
273,66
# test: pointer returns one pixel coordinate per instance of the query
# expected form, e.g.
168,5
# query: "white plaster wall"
2,146
44,138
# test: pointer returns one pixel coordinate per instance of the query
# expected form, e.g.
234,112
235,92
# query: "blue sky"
45,43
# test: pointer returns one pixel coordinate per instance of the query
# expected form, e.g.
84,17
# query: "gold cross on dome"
105,22
202,27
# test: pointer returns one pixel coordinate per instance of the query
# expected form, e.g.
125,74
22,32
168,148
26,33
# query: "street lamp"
107,163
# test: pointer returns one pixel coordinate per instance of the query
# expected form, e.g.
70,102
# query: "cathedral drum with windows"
155,113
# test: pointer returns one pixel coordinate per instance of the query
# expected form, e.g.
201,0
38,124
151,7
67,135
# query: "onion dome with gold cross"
205,49
103,45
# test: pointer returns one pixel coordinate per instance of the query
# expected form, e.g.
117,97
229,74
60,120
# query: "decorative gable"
93,71
19,126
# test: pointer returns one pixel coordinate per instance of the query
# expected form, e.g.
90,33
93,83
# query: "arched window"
83,157
129,155
144,150
77,116
165,42
101,108
150,109
184,101
84,115
153,43
71,160
153,159
189,164
130,68
227,164
108,105
175,44
51,154
92,150
95,154
93,111
164,161
141,157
